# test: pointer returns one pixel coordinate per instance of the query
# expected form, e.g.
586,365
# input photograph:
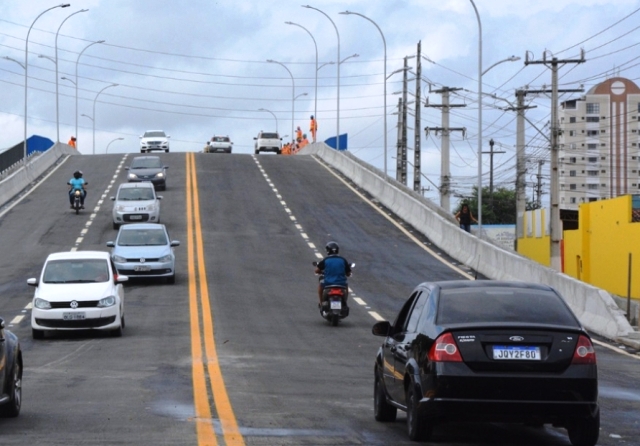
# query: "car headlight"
151,207
120,208
133,176
109,301
41,304
160,175
166,258
119,259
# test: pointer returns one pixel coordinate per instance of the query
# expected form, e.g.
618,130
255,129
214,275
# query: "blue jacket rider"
336,269
77,183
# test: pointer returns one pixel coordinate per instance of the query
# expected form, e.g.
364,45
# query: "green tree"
499,209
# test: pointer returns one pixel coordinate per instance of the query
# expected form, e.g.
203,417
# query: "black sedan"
10,373
148,168
487,351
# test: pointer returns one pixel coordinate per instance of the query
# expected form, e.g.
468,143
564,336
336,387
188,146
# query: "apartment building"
598,144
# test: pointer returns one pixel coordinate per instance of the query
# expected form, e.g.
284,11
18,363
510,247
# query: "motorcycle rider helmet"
77,174
332,248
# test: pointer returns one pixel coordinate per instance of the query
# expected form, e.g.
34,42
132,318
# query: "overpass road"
235,352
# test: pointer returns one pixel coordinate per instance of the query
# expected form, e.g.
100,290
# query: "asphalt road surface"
236,352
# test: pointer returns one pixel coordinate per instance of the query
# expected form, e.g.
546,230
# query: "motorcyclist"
335,269
77,183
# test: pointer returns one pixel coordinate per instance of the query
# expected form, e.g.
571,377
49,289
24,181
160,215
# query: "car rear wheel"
14,390
37,334
585,431
382,410
418,427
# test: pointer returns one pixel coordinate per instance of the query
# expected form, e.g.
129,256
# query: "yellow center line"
228,422
204,427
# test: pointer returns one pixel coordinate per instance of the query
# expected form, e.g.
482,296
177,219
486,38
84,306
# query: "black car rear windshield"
499,304
269,136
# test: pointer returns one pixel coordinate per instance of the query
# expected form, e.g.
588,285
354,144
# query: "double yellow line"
209,391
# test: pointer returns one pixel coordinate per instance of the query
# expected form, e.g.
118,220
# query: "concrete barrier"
595,308
36,166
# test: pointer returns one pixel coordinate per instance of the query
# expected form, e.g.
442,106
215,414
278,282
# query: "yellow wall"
536,243
604,240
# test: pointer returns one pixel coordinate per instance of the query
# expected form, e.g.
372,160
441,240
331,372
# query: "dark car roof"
454,284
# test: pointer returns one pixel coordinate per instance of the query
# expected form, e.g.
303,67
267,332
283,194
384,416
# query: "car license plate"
75,316
336,305
516,352
141,268
135,217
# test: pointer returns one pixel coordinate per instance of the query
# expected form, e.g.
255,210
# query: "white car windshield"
154,135
76,271
135,194
146,163
269,136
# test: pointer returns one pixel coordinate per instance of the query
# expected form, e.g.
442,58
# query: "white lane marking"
79,240
84,231
34,187
74,249
359,301
311,245
283,203
17,319
292,217
299,227
376,316
29,306
320,256
615,349
304,236
88,223
407,233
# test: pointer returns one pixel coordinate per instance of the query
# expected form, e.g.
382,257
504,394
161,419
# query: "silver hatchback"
136,203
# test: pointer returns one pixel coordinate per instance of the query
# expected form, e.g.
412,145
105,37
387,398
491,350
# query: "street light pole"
293,91
76,84
57,105
94,116
384,41
479,119
338,75
26,75
107,149
315,107
274,116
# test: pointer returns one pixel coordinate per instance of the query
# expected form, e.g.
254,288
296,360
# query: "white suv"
154,140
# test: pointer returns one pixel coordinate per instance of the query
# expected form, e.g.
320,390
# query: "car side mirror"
159,197
175,243
111,244
140,136
1,324
126,168
113,198
168,136
165,167
121,279
255,138
382,328
32,281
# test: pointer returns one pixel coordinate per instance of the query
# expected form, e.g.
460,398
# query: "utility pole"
445,171
401,174
491,152
399,143
539,185
416,152
556,224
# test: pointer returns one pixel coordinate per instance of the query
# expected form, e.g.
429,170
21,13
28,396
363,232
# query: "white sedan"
78,291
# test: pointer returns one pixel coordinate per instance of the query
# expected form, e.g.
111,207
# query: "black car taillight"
444,349
584,353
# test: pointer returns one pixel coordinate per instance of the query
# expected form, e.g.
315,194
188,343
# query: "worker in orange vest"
304,142
286,149
313,128
298,134
72,142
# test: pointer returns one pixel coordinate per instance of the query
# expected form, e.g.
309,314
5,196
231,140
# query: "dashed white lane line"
359,301
17,319
376,316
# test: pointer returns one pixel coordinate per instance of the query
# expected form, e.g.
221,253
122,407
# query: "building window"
572,119
572,159
572,200
572,133
592,146
592,199
592,173
572,146
603,171
572,187
592,186
572,173
592,133
593,118
593,159
593,108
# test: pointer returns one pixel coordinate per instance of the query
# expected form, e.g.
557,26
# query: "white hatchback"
78,291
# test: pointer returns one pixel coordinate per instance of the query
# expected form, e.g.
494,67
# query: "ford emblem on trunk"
73,304
516,338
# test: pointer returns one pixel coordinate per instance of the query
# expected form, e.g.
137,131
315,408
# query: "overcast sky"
198,68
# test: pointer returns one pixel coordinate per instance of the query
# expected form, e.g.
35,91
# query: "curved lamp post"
94,116
26,74
293,91
274,116
56,62
107,149
384,42
338,75
315,107
76,84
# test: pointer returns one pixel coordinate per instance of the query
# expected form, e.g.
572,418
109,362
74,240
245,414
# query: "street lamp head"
100,41
83,10
345,12
514,59
65,5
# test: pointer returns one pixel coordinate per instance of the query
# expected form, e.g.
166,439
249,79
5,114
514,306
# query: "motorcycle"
77,201
334,301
